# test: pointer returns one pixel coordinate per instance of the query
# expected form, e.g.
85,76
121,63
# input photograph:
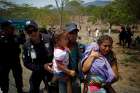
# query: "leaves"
118,12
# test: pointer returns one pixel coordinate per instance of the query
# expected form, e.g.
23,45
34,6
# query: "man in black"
37,56
9,57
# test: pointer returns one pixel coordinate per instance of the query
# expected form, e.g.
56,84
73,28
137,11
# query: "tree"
117,12
61,4
5,6
76,10
132,6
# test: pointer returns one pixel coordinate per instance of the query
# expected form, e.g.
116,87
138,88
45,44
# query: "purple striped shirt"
100,66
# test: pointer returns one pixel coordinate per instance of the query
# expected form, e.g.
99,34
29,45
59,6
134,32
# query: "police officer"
37,56
9,57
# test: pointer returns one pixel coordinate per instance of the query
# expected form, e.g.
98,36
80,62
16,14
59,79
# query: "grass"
132,56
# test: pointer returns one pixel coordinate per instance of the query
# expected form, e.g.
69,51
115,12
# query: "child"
61,56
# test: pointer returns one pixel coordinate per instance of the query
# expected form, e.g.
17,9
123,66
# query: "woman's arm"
115,70
88,62
114,66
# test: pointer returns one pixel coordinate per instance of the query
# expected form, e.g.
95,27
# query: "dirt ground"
128,63
129,68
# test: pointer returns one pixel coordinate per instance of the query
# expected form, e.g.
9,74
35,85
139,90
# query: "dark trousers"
4,80
128,41
17,73
76,85
35,81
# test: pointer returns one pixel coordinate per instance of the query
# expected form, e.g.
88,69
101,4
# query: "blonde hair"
59,36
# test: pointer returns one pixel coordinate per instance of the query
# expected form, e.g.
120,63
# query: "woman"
100,66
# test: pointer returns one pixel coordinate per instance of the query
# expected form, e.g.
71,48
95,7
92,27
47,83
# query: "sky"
40,3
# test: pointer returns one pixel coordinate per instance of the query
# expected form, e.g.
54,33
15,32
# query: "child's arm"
66,70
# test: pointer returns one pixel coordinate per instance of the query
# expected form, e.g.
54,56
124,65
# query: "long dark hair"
110,56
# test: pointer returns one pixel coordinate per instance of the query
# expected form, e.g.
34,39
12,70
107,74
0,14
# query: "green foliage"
44,15
4,5
132,7
118,12
47,15
75,7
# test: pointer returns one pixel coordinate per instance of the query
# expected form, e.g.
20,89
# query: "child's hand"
72,73
68,71
61,66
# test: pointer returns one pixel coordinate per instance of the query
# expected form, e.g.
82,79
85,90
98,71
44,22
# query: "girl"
61,56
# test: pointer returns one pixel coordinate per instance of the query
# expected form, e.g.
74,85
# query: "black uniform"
34,58
9,59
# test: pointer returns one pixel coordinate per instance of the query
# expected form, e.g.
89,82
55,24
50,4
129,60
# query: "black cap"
31,26
71,27
31,23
